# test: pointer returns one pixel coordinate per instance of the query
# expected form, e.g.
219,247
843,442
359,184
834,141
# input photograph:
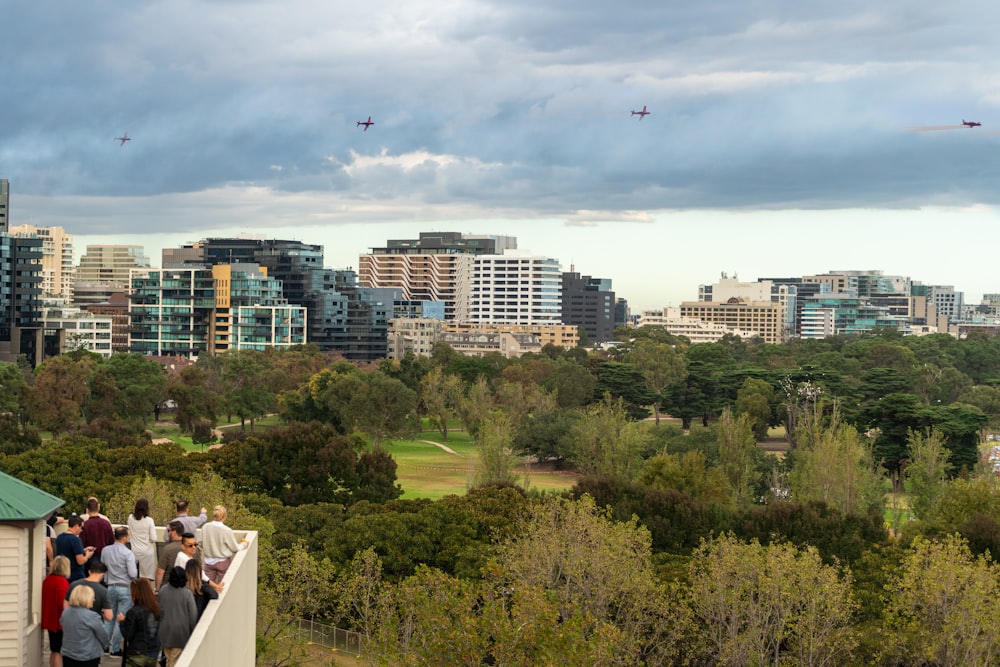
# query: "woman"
199,586
219,545
141,626
178,615
142,534
84,635
54,589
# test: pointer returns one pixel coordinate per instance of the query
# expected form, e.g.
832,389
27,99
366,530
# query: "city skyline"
796,139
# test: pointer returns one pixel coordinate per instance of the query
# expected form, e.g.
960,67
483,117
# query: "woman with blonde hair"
54,589
84,635
219,545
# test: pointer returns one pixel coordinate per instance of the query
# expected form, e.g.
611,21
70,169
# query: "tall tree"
737,447
56,399
754,400
927,471
382,407
661,366
493,448
441,395
604,442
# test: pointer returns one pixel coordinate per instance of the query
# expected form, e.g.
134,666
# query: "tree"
754,400
625,382
56,399
894,416
13,387
946,610
737,447
927,471
660,364
496,457
604,442
960,426
381,407
195,402
441,394
476,406
247,394
833,466
572,384
770,604
140,384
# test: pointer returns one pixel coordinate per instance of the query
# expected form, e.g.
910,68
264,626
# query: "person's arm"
49,551
132,565
159,578
202,518
107,614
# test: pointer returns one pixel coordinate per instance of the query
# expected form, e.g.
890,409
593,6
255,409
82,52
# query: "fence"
331,637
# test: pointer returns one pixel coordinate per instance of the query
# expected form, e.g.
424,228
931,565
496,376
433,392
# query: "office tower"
21,329
104,270
4,203
589,303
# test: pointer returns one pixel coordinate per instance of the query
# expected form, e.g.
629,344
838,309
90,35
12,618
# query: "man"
71,546
189,550
190,523
97,530
122,569
169,551
102,603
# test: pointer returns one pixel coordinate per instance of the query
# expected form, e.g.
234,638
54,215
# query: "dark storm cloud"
519,106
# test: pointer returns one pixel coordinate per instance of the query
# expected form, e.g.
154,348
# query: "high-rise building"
437,266
4,203
765,318
589,303
250,311
516,288
341,316
57,259
104,270
171,311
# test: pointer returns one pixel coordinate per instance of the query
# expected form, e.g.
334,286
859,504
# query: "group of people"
105,592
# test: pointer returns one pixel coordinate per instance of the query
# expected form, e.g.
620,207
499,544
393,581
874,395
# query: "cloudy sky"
785,137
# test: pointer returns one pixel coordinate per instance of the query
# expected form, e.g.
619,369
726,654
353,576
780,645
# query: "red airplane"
641,114
970,123
367,123
123,139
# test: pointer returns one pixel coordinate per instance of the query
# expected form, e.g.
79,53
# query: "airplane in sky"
641,114
367,123
123,139
970,123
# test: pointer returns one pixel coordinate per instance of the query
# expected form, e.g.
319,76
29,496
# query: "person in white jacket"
219,545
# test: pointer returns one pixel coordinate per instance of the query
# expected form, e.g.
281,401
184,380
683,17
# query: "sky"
784,138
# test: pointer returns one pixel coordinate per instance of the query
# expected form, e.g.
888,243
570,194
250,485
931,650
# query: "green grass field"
425,470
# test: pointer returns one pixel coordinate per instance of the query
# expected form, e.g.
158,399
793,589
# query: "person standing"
178,615
169,551
84,636
71,546
142,533
94,581
191,523
54,589
140,627
122,570
97,531
219,544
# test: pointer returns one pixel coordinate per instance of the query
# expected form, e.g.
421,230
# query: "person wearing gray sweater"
178,615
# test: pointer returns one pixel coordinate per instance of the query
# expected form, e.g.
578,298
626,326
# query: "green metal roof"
20,501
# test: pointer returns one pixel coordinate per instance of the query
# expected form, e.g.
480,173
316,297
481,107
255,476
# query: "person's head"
60,566
142,596
82,596
141,510
177,578
93,507
121,534
189,544
176,528
192,570
97,569
182,506
54,518
219,513
74,524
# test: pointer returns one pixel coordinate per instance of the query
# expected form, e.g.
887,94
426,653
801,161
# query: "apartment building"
763,318
68,328
516,287
105,269
561,335
589,303
696,331
413,335
57,258
437,266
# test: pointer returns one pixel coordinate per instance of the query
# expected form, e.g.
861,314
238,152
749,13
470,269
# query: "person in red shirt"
54,588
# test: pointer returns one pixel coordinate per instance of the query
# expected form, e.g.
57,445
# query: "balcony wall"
227,631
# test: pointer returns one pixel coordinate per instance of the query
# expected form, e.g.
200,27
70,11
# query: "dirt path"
440,446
